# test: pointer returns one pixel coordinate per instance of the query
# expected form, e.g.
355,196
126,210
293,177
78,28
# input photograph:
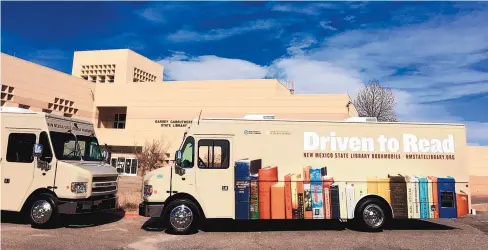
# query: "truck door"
17,167
215,177
44,171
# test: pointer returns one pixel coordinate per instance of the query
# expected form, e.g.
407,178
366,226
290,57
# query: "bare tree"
373,100
152,155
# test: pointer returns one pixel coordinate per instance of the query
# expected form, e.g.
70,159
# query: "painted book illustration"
317,195
312,194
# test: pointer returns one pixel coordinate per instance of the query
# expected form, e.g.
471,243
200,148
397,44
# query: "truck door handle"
183,178
6,180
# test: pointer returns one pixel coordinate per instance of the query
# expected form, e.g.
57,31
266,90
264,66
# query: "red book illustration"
267,177
307,193
288,205
278,201
326,182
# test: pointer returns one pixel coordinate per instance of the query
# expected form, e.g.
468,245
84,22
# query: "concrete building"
124,94
126,97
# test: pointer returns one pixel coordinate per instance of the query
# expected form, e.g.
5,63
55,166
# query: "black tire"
43,211
372,215
185,208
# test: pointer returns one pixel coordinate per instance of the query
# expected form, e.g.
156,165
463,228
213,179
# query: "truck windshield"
64,147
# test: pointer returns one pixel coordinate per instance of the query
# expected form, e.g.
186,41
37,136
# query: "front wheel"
182,217
43,211
372,215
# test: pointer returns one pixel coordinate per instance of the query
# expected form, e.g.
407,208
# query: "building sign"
411,147
173,123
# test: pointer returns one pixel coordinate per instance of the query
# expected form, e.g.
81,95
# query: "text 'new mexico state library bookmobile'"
312,194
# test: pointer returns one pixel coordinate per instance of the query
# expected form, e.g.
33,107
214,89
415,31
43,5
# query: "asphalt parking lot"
112,231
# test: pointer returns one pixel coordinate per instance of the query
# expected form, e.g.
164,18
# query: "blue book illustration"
317,193
424,198
446,188
242,190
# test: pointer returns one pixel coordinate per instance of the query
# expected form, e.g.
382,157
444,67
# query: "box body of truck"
70,171
315,169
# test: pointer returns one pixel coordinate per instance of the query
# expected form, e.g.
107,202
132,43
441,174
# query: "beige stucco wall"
478,170
148,103
43,88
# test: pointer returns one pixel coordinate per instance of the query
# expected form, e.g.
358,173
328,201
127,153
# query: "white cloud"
311,76
326,25
219,34
156,13
299,43
433,58
182,67
152,15
350,18
309,9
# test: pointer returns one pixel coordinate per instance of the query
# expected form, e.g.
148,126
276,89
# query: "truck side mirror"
105,155
178,158
37,150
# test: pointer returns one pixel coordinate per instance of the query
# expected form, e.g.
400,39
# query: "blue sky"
433,54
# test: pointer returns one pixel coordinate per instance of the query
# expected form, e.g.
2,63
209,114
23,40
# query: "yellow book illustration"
384,189
372,185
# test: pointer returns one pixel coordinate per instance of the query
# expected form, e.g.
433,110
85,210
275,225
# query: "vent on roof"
362,119
259,117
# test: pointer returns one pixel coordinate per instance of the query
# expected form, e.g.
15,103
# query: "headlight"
78,187
148,190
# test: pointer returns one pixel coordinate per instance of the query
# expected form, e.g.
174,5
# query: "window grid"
143,76
100,73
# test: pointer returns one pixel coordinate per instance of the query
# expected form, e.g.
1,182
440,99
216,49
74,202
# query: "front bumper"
89,205
147,209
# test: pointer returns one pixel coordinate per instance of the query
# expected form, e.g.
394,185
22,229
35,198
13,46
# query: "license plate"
97,202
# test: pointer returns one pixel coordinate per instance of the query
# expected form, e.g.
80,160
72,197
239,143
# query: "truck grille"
104,184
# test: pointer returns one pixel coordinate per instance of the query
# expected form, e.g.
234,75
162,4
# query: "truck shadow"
224,225
71,221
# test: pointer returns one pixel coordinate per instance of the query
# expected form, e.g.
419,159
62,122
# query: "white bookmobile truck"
52,165
359,169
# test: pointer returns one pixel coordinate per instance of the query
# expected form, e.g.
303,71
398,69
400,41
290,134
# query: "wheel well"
381,200
184,196
36,193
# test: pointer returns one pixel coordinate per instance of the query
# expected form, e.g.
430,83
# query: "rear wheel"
372,215
43,211
182,217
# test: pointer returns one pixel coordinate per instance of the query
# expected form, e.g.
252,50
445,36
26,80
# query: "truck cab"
53,165
200,179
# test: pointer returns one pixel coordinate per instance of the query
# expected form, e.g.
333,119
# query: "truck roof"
367,120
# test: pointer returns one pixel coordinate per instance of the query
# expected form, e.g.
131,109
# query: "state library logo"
250,132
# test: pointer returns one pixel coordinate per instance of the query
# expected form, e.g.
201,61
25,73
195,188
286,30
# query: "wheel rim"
373,215
41,211
181,217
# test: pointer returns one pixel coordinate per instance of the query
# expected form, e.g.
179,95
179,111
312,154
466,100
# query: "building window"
125,166
119,121
22,106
